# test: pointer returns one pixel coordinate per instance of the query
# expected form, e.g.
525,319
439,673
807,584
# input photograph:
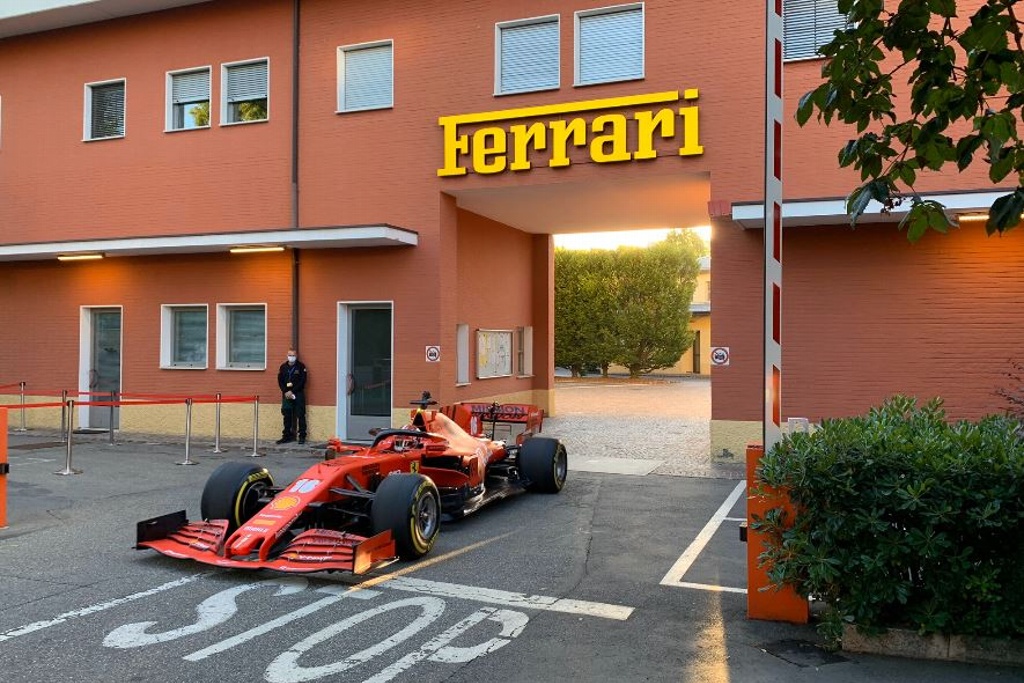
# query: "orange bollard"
4,467
764,601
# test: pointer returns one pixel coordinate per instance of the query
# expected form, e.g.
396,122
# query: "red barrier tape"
10,386
118,404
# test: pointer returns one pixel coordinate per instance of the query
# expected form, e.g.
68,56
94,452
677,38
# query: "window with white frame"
807,25
241,336
188,99
366,76
244,88
524,351
104,110
462,354
610,44
526,55
183,336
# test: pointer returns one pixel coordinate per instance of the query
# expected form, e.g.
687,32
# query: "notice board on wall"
493,353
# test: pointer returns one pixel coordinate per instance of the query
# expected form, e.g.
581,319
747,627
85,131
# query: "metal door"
104,365
696,352
368,380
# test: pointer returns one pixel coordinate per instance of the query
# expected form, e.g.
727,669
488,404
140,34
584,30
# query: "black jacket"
292,378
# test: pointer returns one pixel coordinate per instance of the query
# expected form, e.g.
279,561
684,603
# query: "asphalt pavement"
580,586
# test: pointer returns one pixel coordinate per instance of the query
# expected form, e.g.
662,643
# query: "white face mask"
291,359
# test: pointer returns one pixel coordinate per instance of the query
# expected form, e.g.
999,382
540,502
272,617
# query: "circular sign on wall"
433,354
720,355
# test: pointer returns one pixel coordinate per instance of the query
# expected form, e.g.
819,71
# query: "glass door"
104,365
369,370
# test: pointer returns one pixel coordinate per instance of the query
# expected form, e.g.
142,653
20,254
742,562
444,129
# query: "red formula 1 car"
365,505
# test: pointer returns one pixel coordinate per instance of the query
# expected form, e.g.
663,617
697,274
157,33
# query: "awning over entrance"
833,211
311,238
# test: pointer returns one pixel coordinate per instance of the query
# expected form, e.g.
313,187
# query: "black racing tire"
410,506
544,463
233,491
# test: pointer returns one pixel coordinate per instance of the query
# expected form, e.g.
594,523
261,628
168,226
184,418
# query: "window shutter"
107,110
809,24
190,87
247,82
611,46
368,78
529,57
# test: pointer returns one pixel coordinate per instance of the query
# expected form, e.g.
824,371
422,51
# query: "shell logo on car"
285,502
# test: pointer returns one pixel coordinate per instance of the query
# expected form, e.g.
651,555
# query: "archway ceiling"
594,206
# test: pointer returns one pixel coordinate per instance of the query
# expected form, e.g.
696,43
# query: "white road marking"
710,587
509,599
93,609
674,577
336,593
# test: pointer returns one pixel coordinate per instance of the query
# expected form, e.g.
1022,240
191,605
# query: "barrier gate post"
4,468
255,428
765,601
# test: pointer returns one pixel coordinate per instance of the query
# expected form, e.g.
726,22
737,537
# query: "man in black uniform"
291,379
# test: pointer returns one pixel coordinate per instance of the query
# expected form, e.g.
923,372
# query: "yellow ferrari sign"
497,148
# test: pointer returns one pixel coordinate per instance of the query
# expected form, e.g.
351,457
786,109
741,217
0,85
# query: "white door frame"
85,355
344,359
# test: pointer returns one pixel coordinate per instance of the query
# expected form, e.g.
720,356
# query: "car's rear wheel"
233,492
410,506
544,463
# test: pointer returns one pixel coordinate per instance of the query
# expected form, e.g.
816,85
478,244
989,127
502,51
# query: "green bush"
904,520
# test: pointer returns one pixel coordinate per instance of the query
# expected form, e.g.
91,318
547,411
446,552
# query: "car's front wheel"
410,506
544,463
233,492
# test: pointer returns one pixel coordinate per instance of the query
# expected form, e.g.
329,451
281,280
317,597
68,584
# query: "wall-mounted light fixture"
79,257
256,249
972,218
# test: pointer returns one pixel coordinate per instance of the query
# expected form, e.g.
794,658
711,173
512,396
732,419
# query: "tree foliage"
965,77
630,306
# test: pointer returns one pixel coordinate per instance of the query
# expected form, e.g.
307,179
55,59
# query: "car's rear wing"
504,422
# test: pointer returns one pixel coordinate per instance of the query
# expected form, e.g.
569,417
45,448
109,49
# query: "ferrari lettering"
607,138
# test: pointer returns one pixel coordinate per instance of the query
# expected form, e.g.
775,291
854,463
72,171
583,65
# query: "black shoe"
301,440
285,439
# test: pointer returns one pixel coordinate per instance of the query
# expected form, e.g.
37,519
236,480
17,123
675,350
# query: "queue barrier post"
63,415
188,433
255,428
21,389
113,399
216,427
71,423
4,468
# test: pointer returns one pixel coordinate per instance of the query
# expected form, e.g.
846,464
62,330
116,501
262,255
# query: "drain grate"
802,653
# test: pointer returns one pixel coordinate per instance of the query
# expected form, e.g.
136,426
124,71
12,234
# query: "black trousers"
294,411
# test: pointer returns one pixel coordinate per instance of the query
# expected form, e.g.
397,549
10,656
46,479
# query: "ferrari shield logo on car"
414,466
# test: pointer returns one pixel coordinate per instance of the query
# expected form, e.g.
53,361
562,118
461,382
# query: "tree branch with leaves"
963,72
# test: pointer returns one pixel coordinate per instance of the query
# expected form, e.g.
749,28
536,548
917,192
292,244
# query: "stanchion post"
21,388
71,424
255,428
188,433
4,468
63,415
113,395
216,426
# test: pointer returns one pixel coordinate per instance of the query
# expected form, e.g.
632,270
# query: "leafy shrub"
904,519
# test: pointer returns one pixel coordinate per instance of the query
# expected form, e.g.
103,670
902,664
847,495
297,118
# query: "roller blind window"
245,92
190,100
247,334
808,25
610,45
106,111
528,56
366,77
